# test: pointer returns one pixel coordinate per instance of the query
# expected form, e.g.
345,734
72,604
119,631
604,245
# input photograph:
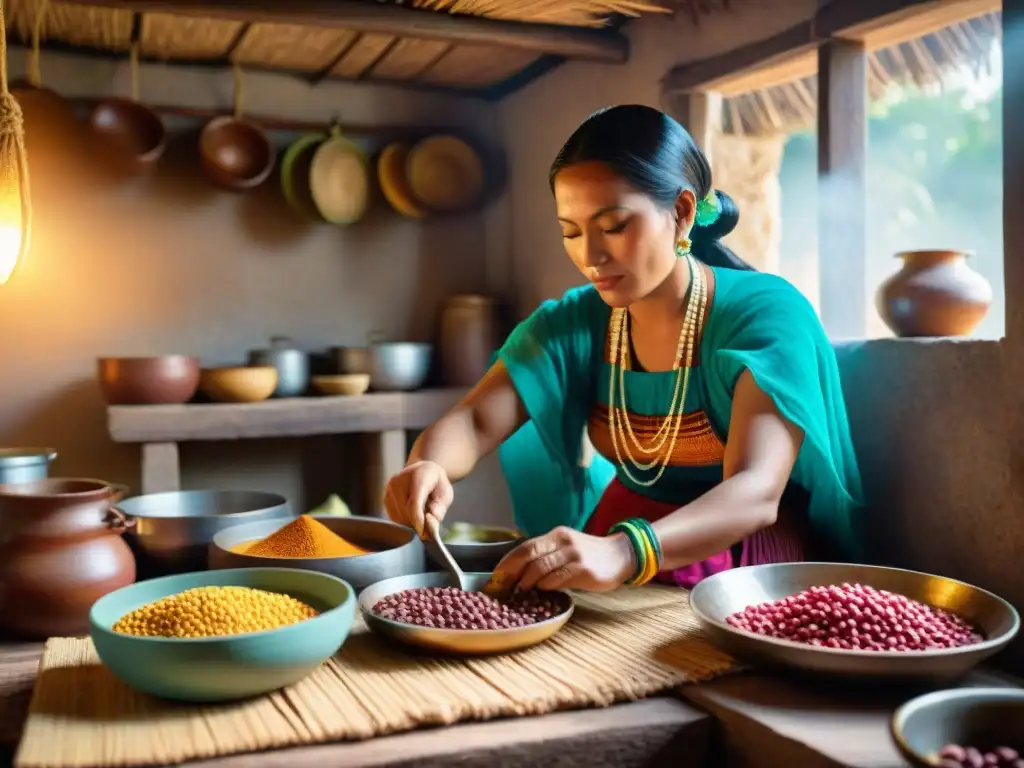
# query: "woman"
709,390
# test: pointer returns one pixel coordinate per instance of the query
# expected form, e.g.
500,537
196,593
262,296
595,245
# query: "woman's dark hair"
657,156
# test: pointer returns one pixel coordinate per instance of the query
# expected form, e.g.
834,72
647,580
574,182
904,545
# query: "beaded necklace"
618,422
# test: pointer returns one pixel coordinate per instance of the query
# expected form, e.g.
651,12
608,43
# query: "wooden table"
739,721
382,417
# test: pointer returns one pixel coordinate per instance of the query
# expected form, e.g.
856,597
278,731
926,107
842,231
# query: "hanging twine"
134,63
239,91
14,176
34,73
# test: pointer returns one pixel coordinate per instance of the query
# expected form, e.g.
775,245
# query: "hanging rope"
14,176
239,91
135,71
34,73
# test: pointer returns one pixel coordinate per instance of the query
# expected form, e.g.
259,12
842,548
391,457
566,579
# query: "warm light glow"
10,246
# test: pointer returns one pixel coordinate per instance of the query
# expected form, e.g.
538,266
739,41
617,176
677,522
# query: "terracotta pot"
165,380
935,294
60,550
468,339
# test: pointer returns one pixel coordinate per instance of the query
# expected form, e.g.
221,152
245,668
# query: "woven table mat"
618,646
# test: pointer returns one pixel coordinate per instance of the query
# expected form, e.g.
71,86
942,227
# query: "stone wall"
747,168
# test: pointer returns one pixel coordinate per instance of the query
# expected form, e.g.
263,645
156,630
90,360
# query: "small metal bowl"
467,642
477,547
399,366
721,595
981,717
396,550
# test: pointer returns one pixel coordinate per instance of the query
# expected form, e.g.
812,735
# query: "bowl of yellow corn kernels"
222,635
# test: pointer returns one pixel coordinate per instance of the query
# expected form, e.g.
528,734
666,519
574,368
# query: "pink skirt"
787,541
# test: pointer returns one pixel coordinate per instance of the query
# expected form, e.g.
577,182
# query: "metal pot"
25,465
399,366
395,550
173,530
292,366
351,359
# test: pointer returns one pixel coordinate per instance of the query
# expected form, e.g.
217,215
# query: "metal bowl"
980,717
723,594
459,641
174,529
476,547
399,366
397,550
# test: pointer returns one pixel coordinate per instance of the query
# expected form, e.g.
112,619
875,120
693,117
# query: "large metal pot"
292,366
25,465
173,530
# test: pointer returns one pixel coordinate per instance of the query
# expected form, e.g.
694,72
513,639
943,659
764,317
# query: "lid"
20,457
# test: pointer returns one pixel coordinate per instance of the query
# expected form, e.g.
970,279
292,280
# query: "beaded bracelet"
645,545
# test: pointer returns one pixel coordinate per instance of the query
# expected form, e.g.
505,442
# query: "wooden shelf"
290,417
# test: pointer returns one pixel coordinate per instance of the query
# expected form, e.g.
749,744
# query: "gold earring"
683,247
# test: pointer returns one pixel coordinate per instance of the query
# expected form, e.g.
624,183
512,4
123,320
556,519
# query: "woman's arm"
759,457
474,428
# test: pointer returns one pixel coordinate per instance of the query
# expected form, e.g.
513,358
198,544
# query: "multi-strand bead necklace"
663,443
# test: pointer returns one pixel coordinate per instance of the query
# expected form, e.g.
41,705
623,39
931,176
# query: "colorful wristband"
645,545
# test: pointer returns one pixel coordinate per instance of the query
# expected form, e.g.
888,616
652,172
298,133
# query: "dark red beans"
856,617
957,756
452,608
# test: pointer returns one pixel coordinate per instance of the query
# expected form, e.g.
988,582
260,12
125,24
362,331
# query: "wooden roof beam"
884,23
792,54
600,45
782,58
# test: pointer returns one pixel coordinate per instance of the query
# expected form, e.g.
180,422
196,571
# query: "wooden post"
1013,173
842,188
161,470
701,113
385,456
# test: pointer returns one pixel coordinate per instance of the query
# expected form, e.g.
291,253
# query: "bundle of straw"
583,13
15,205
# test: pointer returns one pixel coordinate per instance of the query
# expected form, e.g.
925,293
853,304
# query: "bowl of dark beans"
962,728
424,610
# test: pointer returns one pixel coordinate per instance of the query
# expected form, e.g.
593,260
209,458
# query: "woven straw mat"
618,646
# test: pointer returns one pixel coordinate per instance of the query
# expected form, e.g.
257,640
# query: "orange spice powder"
303,537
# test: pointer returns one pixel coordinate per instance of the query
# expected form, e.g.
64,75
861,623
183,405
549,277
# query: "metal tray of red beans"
424,610
855,621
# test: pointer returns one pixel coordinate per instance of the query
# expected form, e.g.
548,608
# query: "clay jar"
468,339
935,294
60,550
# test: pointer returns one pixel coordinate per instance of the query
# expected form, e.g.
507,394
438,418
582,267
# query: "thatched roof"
925,62
318,51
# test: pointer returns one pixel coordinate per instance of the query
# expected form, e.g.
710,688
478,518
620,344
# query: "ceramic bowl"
984,718
343,384
396,549
164,380
241,384
231,667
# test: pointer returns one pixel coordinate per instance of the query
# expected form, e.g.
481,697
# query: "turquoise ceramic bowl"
232,667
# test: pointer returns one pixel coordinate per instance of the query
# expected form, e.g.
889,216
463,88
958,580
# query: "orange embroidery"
696,446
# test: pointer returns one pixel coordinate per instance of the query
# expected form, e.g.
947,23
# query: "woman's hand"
568,559
421,488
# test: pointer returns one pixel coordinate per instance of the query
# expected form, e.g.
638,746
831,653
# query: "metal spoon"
433,529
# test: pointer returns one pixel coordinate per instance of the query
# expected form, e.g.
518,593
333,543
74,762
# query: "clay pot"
468,339
131,135
60,551
169,379
935,294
